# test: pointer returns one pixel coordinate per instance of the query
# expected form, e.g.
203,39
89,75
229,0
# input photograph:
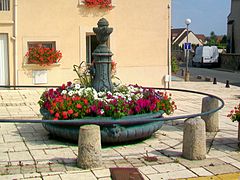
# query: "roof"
202,37
180,39
177,32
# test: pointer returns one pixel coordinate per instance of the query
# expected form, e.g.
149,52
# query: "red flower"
64,113
75,114
79,106
63,86
70,111
57,115
55,119
51,111
43,56
85,101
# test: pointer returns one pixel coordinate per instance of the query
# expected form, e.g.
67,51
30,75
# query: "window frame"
39,44
4,5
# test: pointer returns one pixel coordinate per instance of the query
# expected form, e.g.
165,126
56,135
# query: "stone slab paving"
28,152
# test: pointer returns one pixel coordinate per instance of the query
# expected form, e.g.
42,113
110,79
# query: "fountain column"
102,57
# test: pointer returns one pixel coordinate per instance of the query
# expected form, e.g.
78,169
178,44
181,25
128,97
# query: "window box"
37,66
82,3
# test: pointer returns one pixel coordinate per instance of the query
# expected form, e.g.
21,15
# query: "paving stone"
11,177
54,177
137,164
24,157
228,159
105,178
222,169
148,170
4,157
181,174
124,165
52,173
16,146
3,170
200,163
41,168
201,171
79,176
31,175
164,176
12,138
161,168
57,167
100,173
13,170
72,167
28,169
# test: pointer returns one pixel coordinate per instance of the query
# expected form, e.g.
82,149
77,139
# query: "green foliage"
213,39
84,76
174,65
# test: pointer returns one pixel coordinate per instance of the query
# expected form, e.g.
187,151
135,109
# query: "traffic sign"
187,46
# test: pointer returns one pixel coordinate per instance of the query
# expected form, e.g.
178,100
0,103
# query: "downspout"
169,46
15,81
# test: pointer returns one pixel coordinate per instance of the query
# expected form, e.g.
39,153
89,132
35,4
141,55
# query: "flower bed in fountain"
126,102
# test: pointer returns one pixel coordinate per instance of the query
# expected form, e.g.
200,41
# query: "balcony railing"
4,5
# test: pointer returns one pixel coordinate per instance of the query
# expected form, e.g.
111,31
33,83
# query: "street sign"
187,46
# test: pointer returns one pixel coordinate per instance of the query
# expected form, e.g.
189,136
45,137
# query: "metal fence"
4,5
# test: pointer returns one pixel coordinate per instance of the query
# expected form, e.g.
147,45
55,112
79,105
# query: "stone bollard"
194,139
211,120
89,147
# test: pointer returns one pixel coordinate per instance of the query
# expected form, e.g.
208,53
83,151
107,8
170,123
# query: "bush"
174,65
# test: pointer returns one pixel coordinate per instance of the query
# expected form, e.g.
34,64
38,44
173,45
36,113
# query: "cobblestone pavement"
28,152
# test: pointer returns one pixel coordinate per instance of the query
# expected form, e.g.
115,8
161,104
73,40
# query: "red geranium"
43,56
101,3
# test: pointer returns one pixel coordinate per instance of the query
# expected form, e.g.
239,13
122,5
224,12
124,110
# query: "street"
218,73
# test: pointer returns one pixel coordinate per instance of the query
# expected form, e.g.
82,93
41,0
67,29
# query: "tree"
224,39
213,39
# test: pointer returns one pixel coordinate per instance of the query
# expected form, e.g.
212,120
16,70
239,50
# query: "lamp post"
187,74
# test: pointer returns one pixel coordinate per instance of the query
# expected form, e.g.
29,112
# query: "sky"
206,15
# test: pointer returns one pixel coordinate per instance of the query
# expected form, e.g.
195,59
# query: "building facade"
233,28
140,40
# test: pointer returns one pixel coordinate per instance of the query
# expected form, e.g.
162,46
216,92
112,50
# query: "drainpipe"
15,81
169,46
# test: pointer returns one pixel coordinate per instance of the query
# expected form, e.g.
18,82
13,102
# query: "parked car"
205,55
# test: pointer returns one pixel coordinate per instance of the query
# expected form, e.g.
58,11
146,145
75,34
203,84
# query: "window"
4,5
45,44
91,45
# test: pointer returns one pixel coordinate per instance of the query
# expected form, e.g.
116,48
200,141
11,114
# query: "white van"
205,55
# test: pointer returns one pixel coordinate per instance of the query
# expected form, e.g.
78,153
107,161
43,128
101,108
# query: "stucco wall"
139,40
6,27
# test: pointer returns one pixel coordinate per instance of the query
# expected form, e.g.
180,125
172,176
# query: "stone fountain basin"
109,134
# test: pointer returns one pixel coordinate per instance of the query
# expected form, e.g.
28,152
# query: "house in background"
179,37
140,41
233,28
202,38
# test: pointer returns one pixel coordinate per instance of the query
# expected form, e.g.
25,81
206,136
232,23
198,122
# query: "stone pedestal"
194,139
89,147
211,120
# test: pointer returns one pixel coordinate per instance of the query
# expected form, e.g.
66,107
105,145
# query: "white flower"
70,93
102,111
63,92
77,86
101,94
109,93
